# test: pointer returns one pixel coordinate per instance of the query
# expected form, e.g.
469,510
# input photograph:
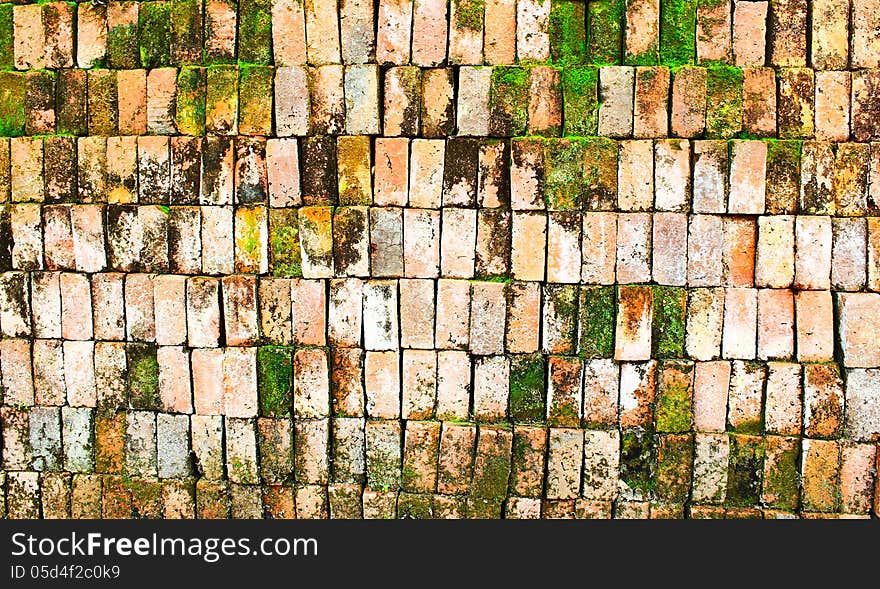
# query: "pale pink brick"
132,98
169,299
616,88
76,307
813,247
527,247
857,475
46,304
381,322
288,32
88,237
311,384
18,381
426,173
174,379
739,251
282,169
203,312
704,323
635,175
865,44
382,384
689,102
161,97
704,251
775,324
710,177
859,322
599,247
59,34
240,382
564,461
417,306
672,174
532,36
140,308
499,35
322,32
650,114
108,304
545,101
759,101
91,37
421,252
208,381
240,310
832,106
775,263
632,339
419,384
395,19
669,263
453,314
26,155
79,374
308,303
523,317
27,236
563,246
48,367
740,323
391,171
642,28
465,32
748,168
472,106
749,33
28,37
711,385
633,247
430,24
487,317
600,392
526,174
848,253
713,32
783,405
327,99
453,384
458,242
345,318
292,105
637,382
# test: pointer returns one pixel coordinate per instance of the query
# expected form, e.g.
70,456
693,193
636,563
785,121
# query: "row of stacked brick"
826,34
612,101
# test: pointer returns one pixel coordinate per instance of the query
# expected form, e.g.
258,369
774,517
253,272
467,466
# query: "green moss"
255,99
599,174
186,31
564,299
678,21
674,398
415,506
527,388
580,100
154,24
7,61
191,96
724,102
275,380
12,104
490,481
509,101
143,376
563,168
637,449
668,326
745,468
285,258
469,14
675,459
568,33
605,25
122,47
597,307
255,31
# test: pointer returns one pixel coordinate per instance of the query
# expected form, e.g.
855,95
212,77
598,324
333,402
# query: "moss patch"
637,460
527,388
675,459
469,14
563,168
12,104
568,33
154,22
275,380
123,46
781,476
143,376
675,399
783,175
744,470
670,307
580,100
724,102
7,61
600,174
605,23
678,22
509,101
597,307
255,31
255,100
191,96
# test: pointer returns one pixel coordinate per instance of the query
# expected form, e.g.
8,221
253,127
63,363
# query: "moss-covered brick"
563,301
781,472
353,169
605,25
674,410
745,467
568,34
123,45
527,388
40,102
103,103
675,462
143,376
146,498
783,175
599,174
350,229
255,31
668,327
461,164
580,100
71,114
563,168
678,22
275,380
320,183
724,102
187,28
154,30
12,104
255,100
509,101
7,61
191,96
492,463
221,102
469,14
596,310
637,452
415,506
284,254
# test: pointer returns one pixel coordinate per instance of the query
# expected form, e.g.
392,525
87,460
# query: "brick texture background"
419,258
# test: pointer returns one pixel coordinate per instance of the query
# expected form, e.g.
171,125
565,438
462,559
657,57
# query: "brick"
564,391
832,106
345,312
421,448
783,399
830,34
207,445
492,463
564,462
745,397
650,117
642,37
348,446
775,262
738,255
172,436
820,469
382,384
559,319
857,318
671,174
856,462
724,102
384,455
635,180
532,31
796,103
688,118
438,102
458,242
634,318
616,94
453,314
316,241
780,472
490,388
453,384
669,240
759,101
848,253
472,106
419,384
823,401
815,326
813,247
740,317
776,319
417,305
429,46
749,33
362,100
492,255
241,451
327,99
817,166
465,32
545,102
704,249
787,28
633,247
402,89
851,179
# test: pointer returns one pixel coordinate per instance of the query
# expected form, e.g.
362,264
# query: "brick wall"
478,258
